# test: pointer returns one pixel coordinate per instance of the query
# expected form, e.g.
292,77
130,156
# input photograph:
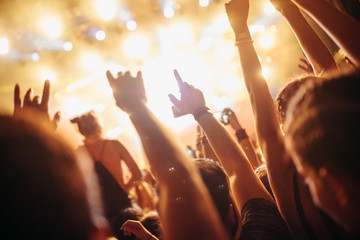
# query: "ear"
335,184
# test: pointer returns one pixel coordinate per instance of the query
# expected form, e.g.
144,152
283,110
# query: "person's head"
287,92
88,125
121,218
45,194
151,221
323,139
216,181
262,174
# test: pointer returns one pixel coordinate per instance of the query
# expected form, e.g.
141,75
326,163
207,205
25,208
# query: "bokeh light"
204,3
131,25
106,9
4,46
51,26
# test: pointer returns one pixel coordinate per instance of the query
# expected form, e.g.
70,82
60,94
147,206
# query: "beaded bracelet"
241,134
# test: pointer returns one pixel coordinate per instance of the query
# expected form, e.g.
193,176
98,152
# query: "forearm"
244,183
343,29
315,50
182,192
248,149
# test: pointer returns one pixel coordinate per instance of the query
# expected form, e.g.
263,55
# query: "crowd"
303,184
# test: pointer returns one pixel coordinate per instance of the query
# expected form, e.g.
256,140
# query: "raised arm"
185,206
267,126
130,163
342,28
243,181
242,137
315,50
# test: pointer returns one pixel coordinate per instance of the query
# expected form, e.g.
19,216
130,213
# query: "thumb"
174,100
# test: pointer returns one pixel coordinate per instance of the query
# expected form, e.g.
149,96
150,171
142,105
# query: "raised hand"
237,12
136,228
232,119
306,66
33,105
191,99
129,92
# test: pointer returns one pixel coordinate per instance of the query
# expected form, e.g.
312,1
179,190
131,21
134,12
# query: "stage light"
51,26
204,3
131,25
266,41
106,9
100,35
181,33
269,8
4,46
68,46
47,74
169,11
90,61
136,46
35,56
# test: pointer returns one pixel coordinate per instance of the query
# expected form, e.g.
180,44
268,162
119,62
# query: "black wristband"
241,134
201,111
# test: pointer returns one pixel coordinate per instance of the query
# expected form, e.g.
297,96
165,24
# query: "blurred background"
72,43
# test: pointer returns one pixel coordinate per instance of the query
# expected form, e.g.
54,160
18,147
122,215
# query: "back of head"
287,92
323,125
151,221
43,190
88,124
217,183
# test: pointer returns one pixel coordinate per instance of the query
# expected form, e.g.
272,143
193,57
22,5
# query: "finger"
179,81
35,101
110,77
56,119
302,67
139,74
46,94
174,100
17,100
27,98
304,61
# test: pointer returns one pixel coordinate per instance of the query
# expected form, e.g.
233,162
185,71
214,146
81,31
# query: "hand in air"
129,91
191,98
237,12
232,119
34,105
280,5
136,228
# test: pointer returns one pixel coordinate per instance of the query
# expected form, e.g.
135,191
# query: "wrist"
241,134
201,111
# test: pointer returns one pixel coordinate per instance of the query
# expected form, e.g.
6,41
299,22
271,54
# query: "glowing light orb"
100,35
136,46
131,25
204,3
106,9
68,46
52,27
266,41
4,46
35,56
47,74
169,11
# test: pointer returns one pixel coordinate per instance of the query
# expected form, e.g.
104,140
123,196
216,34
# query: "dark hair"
287,92
151,221
217,183
87,123
262,174
43,190
323,124
121,218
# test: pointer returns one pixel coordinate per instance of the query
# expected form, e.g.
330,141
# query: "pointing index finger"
178,79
